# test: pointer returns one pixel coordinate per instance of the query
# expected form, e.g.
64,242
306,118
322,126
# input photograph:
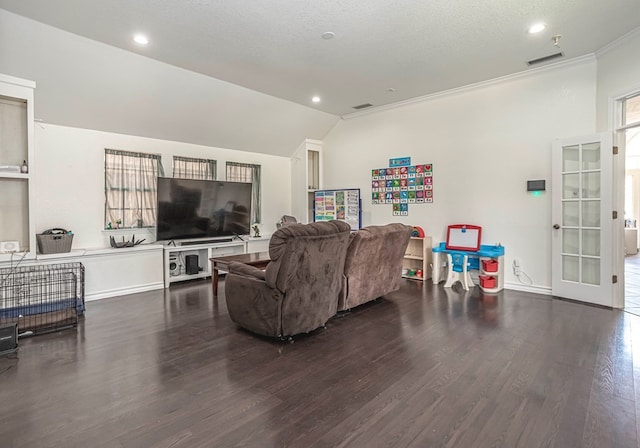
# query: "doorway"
630,135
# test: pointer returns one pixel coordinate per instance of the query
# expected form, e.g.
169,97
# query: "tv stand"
175,261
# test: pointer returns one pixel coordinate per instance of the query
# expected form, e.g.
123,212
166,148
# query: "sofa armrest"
253,305
246,270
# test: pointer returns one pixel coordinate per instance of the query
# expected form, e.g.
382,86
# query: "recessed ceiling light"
141,39
328,35
315,99
536,28
391,89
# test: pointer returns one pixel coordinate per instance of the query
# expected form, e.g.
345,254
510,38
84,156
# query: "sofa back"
373,265
307,263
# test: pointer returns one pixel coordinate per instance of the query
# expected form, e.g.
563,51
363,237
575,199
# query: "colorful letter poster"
342,205
401,186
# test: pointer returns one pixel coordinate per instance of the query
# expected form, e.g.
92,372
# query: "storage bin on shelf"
490,265
487,281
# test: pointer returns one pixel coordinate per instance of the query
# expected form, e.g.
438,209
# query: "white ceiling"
275,46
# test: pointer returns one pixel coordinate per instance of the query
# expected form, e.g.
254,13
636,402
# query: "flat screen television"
192,209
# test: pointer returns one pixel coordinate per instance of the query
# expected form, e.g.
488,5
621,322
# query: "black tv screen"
189,208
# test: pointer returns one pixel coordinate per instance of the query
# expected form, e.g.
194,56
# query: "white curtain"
246,172
131,187
191,168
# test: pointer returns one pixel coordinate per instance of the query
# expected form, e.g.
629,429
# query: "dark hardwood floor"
423,367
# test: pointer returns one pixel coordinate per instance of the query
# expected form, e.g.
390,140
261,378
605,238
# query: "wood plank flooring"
423,367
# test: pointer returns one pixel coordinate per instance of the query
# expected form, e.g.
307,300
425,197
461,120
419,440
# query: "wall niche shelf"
306,179
16,147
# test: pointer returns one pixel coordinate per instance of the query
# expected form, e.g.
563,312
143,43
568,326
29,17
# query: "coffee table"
257,259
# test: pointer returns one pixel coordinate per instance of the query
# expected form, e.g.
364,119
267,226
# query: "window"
131,187
245,172
631,110
190,168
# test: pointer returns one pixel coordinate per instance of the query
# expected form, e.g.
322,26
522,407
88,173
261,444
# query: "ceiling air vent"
362,106
551,57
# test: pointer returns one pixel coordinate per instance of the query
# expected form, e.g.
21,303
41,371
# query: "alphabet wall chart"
402,184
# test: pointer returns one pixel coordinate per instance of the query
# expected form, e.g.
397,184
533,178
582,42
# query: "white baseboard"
545,290
123,291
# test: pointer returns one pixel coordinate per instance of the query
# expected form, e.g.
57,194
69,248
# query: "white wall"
484,143
618,74
86,84
69,178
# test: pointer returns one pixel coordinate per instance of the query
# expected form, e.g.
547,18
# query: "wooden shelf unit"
418,257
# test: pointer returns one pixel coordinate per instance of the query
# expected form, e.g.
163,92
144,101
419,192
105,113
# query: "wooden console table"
257,259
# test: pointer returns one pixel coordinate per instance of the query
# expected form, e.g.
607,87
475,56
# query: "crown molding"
616,43
479,85
17,81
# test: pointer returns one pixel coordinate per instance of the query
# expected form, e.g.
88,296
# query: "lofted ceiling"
384,51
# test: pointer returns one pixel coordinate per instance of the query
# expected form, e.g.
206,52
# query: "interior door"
582,208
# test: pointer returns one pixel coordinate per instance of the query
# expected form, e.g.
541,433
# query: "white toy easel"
461,237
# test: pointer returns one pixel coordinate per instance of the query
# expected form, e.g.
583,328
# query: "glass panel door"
582,226
581,213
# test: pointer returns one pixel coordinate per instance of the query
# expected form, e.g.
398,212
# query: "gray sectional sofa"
315,271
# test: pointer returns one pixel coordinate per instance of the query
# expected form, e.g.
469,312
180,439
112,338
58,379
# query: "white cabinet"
258,244
109,272
416,263
306,178
176,259
16,147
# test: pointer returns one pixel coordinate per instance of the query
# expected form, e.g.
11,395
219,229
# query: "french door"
582,215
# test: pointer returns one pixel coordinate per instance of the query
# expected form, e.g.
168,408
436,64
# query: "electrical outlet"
516,267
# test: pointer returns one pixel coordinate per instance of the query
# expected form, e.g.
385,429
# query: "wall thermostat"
536,185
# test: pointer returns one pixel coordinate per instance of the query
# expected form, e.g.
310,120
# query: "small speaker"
8,339
174,265
6,247
192,264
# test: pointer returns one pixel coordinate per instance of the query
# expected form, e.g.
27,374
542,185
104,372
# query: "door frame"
619,163
618,175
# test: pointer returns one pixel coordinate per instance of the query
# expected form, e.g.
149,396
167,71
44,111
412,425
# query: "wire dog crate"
42,298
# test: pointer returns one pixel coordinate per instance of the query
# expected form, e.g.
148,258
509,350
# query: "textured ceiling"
275,46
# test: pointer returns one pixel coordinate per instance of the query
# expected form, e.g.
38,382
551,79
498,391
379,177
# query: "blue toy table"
486,252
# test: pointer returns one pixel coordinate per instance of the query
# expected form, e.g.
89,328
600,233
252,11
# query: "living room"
484,140
496,135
